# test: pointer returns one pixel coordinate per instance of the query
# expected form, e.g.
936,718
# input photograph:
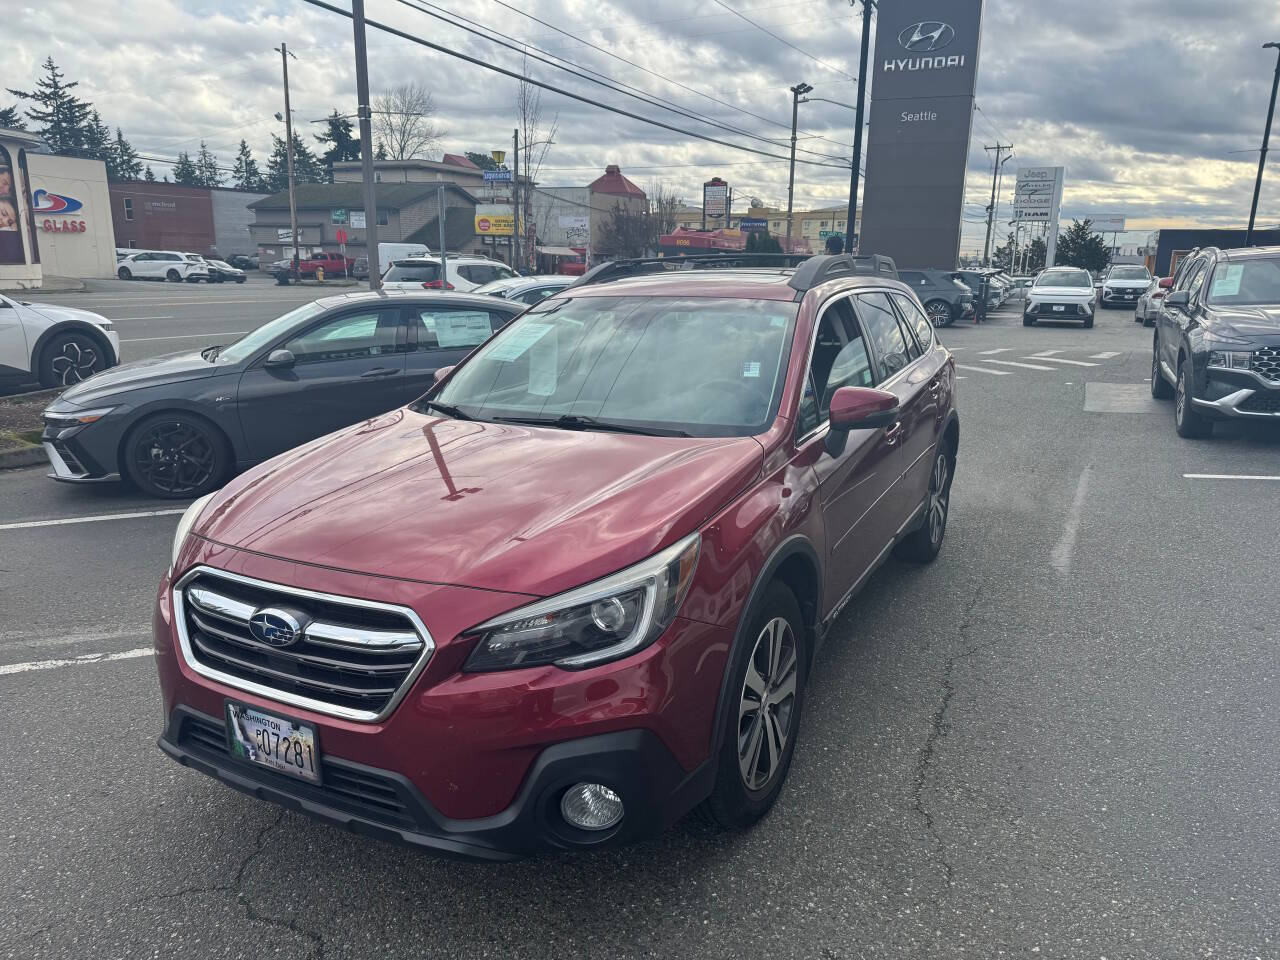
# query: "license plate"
274,742
1130,296
1059,308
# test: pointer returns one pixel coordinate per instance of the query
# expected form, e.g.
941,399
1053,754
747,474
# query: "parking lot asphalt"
1058,740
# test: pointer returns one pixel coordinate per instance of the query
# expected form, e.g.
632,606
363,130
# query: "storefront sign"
46,202
715,197
491,176
50,225
495,220
357,220
338,215
753,223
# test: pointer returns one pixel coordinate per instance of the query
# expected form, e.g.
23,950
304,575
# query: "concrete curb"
50,285
22,457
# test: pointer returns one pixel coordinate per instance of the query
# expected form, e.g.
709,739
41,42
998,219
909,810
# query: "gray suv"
945,296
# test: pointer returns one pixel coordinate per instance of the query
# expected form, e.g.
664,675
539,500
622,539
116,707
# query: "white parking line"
29,524
997,373
1015,363
1043,353
1227,476
1065,549
170,317
1104,356
988,353
1039,356
191,336
30,665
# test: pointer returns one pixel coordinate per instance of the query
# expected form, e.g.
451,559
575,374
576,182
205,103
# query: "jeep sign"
923,75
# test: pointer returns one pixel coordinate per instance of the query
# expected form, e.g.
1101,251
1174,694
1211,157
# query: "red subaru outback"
577,589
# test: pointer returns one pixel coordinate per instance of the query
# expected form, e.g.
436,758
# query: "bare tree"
404,122
536,135
664,205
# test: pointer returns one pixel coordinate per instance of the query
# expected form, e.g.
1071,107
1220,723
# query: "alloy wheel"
939,315
938,497
767,705
175,457
1179,399
77,360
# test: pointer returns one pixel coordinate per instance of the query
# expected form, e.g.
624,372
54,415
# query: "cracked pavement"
1000,756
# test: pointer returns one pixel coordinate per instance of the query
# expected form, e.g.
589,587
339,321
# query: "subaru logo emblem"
275,627
926,36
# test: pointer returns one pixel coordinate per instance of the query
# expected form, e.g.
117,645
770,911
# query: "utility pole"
851,221
991,207
365,114
1266,141
288,153
798,91
516,253
444,257
999,189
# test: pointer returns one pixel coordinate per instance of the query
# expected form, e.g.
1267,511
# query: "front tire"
69,358
924,544
1189,422
1088,322
1028,321
762,717
1160,389
173,276
940,314
124,273
176,456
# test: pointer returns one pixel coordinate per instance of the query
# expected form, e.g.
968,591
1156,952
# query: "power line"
742,16
475,61
707,16
652,73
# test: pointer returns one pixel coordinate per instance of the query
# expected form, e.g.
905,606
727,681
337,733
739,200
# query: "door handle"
378,372
893,434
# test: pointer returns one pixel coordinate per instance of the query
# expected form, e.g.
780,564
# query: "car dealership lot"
1057,740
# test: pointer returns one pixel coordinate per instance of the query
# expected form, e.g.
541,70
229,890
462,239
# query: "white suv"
162,265
465,273
58,346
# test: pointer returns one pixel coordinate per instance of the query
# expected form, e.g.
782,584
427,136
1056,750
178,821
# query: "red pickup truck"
334,265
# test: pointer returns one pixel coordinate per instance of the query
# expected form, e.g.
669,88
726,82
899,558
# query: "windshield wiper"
448,409
574,421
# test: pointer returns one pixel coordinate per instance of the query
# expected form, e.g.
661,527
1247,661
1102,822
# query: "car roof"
425,296
1249,253
747,283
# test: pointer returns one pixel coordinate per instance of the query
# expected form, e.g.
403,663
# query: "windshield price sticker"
462,329
1226,282
515,344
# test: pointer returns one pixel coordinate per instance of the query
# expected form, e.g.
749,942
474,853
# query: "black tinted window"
915,319
348,337
839,360
913,278
413,273
891,349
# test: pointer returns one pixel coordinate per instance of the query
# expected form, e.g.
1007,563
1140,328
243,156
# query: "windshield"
705,366
1250,282
255,340
1064,278
1129,273
412,273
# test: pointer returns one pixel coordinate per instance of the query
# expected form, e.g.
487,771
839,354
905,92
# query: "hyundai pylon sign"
922,74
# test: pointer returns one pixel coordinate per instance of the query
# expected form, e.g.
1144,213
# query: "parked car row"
176,266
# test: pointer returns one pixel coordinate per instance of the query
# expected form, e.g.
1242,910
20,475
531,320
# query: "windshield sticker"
459,329
514,345
750,368
1226,282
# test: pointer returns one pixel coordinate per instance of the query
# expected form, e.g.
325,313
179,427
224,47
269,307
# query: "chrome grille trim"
218,606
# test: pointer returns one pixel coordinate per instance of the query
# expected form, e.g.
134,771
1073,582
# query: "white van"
388,252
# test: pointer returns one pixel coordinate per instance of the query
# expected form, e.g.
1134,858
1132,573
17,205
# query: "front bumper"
1120,298
83,453
1045,310
1238,393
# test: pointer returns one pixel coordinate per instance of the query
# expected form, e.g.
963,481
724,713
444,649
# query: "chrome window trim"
282,696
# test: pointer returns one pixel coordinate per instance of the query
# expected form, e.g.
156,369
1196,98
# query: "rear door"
440,335
349,366
1173,321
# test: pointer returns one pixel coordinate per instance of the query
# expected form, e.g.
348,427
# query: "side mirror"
1179,298
1166,283
280,358
442,373
858,408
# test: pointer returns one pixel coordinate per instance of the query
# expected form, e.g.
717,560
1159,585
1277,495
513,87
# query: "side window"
915,319
839,360
913,278
1197,281
347,337
450,328
887,341
1188,275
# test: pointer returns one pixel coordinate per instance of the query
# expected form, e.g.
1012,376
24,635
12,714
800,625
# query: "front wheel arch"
72,326
127,437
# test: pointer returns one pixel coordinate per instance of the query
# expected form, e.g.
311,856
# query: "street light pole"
515,200
365,113
799,90
1266,139
852,219
288,153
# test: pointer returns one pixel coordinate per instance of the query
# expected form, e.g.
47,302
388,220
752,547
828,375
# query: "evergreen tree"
97,139
184,171
306,168
61,117
207,172
245,174
149,175
123,163
342,141
380,153
482,160
1079,246
10,119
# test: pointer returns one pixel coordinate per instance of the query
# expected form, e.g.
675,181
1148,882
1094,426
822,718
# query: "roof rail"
817,270
617,269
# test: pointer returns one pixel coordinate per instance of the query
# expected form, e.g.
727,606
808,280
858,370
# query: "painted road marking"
1227,476
1040,356
170,317
1066,546
1104,356
1043,353
30,665
989,353
998,373
191,336
1015,363
28,524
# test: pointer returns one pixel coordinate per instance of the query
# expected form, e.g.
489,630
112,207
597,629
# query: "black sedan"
222,272
178,426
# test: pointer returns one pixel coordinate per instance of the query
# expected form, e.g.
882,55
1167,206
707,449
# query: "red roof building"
615,184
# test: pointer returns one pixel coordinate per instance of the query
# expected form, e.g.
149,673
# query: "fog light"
591,806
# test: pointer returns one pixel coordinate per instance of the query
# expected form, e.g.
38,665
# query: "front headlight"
185,524
74,418
601,621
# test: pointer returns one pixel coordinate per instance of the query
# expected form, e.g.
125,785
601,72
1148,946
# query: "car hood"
60,314
1077,293
494,506
1260,321
173,368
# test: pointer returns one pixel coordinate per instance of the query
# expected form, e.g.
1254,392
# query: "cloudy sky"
1156,107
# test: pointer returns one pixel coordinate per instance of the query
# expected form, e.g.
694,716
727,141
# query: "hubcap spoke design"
175,457
76,361
938,496
767,704
938,315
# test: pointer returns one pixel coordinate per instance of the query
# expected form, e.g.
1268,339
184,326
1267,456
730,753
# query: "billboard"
495,220
1037,198
715,198
1106,222
923,74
